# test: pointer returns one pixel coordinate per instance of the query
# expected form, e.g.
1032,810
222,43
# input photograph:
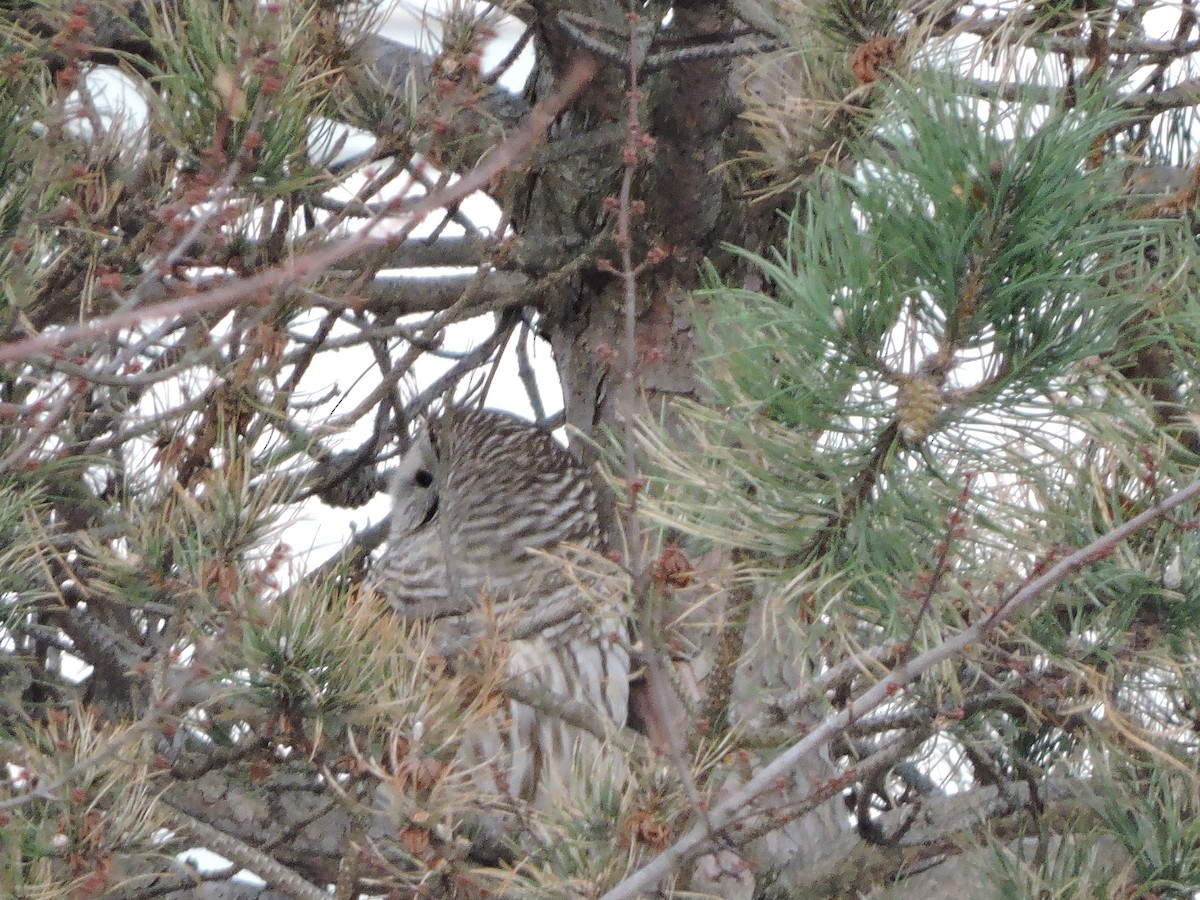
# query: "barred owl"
479,499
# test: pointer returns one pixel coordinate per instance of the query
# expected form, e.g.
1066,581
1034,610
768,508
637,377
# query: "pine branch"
698,839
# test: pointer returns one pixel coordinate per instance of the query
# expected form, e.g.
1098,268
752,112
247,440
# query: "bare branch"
262,865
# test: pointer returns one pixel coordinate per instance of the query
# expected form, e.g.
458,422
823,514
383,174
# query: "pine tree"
875,320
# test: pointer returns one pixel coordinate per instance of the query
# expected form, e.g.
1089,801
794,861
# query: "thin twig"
941,566
656,677
526,373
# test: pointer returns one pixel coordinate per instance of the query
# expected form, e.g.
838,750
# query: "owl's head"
491,487
479,499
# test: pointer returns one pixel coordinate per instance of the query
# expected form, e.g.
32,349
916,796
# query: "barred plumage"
479,499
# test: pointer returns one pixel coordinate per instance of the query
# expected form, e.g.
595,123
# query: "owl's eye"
423,478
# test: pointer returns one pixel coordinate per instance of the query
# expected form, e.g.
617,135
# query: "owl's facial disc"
414,489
